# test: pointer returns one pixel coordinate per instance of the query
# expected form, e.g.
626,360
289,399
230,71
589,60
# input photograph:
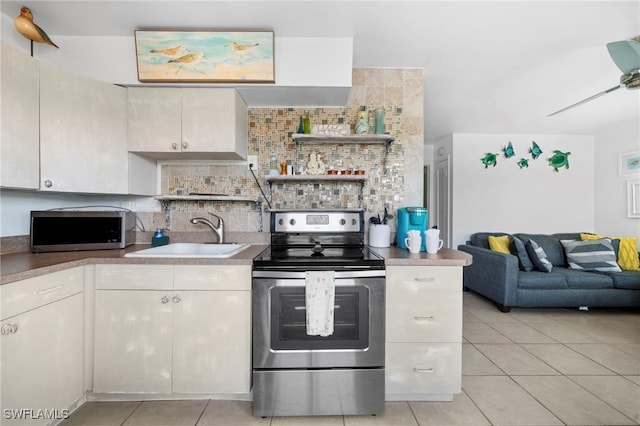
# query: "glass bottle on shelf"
273,165
306,123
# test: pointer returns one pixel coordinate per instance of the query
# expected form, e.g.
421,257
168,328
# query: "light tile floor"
526,367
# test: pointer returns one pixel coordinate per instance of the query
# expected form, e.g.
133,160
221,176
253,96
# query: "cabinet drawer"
134,277
24,295
434,368
212,277
423,316
415,279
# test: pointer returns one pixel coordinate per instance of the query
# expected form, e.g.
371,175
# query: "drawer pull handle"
425,280
49,290
423,370
425,318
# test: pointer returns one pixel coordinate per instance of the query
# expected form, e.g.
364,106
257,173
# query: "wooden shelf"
342,139
305,178
208,198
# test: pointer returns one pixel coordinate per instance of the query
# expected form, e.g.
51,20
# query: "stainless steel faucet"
218,230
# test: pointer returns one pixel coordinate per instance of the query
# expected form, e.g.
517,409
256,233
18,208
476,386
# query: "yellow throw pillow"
499,244
627,254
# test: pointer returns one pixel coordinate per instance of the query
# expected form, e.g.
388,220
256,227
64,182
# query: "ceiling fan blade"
625,54
590,98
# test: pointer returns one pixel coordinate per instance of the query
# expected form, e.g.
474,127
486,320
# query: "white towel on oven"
320,293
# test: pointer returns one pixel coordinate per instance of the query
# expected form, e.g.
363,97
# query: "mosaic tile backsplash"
269,132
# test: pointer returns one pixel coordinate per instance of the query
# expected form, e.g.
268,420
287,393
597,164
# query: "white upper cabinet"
187,123
83,134
19,126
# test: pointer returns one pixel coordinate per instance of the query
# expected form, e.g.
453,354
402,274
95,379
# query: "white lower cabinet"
423,332
42,347
132,351
193,337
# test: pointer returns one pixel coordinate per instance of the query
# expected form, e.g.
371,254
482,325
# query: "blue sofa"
501,277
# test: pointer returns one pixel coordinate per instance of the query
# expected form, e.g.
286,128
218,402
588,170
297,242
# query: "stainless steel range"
295,370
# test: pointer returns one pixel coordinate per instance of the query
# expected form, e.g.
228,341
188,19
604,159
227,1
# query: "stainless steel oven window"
289,327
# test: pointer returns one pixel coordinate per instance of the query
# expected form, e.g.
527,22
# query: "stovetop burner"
301,258
317,240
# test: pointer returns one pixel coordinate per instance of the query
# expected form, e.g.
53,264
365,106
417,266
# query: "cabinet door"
19,127
214,121
154,120
42,360
211,342
132,351
83,134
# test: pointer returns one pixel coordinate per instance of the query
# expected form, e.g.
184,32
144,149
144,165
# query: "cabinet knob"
48,183
176,299
9,329
174,146
185,145
165,300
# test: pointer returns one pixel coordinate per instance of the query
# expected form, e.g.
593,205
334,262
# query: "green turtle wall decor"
559,159
489,159
535,150
523,163
508,150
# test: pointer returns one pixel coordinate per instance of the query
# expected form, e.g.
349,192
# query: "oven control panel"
317,221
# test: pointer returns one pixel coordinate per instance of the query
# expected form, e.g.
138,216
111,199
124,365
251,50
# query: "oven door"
280,339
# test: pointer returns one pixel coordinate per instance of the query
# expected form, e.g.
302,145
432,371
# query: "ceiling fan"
626,55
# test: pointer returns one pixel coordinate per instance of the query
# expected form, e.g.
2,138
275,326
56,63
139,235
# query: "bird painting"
171,52
25,26
241,49
187,61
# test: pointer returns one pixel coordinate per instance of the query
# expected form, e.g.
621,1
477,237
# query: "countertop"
23,265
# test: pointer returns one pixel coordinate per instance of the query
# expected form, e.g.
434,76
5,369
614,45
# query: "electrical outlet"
252,160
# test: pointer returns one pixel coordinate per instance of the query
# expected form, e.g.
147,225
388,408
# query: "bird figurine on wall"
25,26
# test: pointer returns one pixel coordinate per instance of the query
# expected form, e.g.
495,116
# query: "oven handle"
301,275
304,308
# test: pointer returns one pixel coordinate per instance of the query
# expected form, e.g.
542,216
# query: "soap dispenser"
159,239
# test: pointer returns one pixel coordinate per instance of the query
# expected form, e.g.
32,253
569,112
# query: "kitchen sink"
191,250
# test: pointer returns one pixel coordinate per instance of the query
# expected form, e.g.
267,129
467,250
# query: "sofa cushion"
536,280
538,256
550,244
627,253
499,244
591,255
518,248
584,280
481,239
629,280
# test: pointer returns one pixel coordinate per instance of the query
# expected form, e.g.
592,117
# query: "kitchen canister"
379,235
379,121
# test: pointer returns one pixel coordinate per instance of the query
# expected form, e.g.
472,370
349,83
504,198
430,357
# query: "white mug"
413,244
433,242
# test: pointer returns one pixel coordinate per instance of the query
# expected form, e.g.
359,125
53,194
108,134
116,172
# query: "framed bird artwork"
205,56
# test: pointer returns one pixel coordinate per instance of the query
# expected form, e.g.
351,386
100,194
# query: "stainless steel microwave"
65,230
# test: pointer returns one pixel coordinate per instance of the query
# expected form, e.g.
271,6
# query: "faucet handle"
218,217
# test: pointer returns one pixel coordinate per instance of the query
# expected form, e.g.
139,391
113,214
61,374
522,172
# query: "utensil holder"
379,235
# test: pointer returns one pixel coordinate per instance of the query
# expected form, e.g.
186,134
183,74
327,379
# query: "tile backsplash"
398,91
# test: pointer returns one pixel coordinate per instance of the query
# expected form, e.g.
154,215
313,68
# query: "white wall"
509,199
610,188
15,206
